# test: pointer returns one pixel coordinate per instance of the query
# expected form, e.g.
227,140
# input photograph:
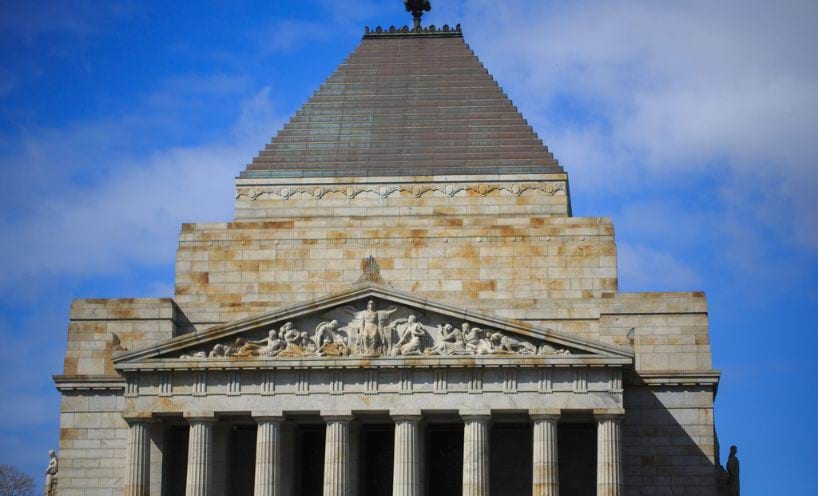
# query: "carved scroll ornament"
553,188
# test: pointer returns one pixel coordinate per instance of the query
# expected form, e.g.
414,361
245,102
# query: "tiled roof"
406,103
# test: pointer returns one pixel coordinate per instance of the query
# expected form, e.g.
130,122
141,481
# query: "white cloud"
642,268
126,211
634,94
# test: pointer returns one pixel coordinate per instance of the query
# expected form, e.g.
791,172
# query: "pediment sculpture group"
373,333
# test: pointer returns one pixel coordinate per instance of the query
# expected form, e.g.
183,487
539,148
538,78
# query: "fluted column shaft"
406,472
200,457
336,456
609,455
137,470
546,469
268,456
476,454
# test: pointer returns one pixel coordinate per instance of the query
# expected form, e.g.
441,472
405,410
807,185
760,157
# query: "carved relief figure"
297,343
547,349
451,342
331,340
411,341
267,347
475,340
371,325
51,474
371,333
507,344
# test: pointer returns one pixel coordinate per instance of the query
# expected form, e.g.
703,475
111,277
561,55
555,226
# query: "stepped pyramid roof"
406,102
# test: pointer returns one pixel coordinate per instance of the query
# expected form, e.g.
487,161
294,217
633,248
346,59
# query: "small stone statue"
51,474
733,486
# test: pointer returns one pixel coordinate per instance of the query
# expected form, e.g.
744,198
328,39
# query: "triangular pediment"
371,321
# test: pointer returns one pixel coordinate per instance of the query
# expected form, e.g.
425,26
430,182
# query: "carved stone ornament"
370,271
370,331
550,188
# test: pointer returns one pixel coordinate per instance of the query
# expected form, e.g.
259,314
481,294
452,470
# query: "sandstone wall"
137,322
668,441
228,271
93,441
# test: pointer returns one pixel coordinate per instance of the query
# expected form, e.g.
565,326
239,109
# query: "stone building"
403,305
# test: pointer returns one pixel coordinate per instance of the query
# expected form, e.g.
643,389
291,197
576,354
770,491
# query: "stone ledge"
674,378
382,363
89,382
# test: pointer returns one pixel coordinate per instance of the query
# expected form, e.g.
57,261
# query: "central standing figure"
372,339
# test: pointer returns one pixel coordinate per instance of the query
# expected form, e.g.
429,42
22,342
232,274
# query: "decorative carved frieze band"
522,378
379,31
550,188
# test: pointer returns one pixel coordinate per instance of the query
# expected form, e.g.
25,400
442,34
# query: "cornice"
89,383
674,378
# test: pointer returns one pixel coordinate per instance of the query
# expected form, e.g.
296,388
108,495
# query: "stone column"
268,454
200,455
609,453
336,454
476,452
137,469
405,475
546,471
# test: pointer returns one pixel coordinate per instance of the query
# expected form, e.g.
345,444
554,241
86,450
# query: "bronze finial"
417,7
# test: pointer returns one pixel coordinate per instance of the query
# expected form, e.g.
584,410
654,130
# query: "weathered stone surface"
469,225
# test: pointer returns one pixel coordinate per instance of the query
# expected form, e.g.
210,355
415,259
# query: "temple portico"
409,475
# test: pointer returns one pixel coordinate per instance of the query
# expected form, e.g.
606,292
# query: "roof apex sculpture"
417,7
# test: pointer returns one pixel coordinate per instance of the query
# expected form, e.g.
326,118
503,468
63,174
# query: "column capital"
612,414
552,414
337,415
475,414
406,415
268,416
200,417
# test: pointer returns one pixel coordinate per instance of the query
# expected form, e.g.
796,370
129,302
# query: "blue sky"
692,124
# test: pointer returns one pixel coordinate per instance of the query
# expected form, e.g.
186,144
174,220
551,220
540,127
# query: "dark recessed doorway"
444,460
377,457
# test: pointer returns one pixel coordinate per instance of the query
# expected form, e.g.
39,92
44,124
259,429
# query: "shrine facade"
403,304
